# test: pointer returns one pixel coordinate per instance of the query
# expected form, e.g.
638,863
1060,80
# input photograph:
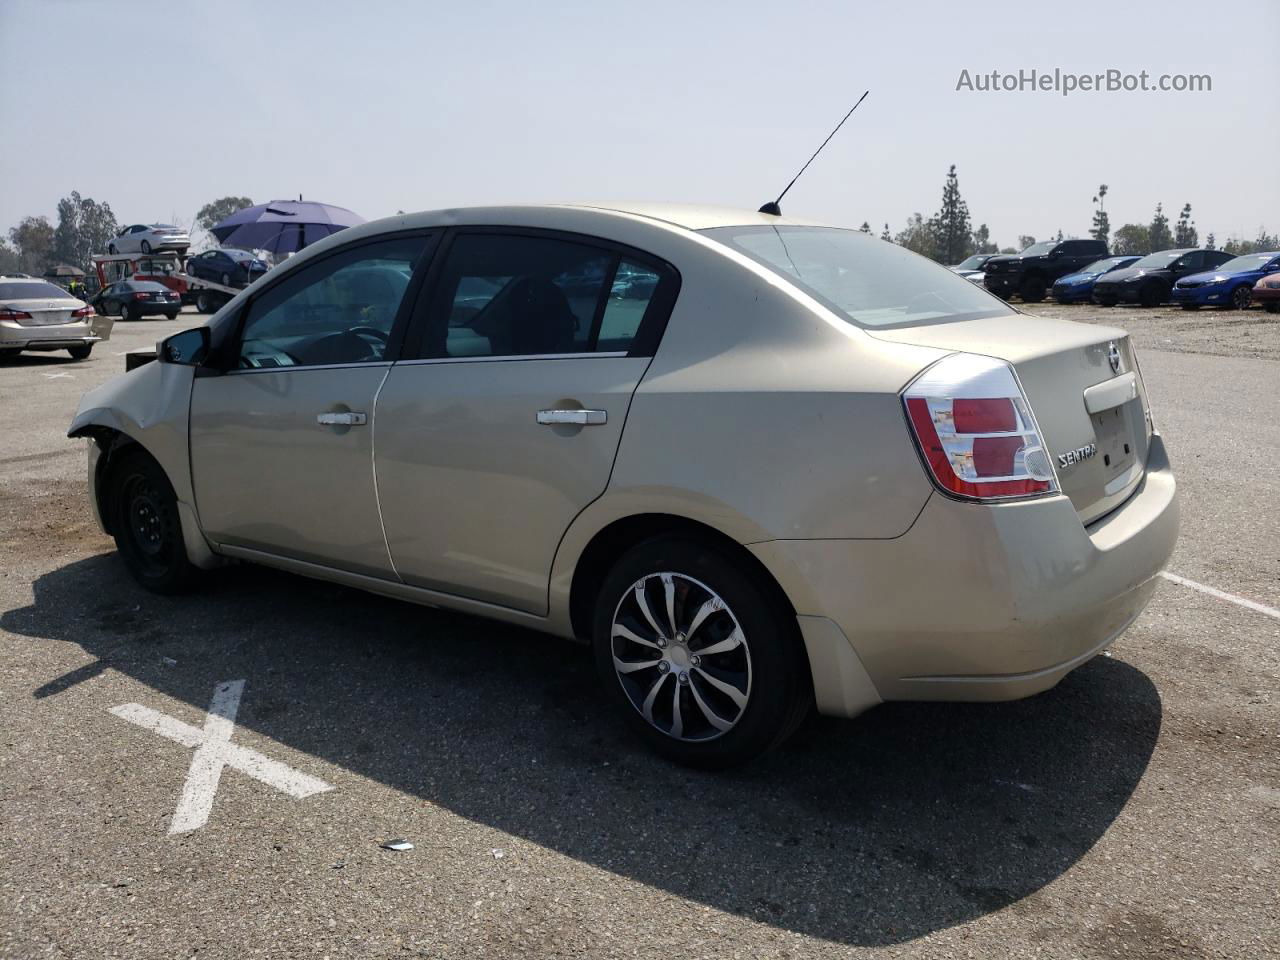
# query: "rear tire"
143,511
171,314
81,352
7,352
146,247
706,709
1105,302
1031,290
203,304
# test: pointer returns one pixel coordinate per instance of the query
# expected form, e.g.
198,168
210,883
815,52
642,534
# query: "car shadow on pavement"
913,818
43,358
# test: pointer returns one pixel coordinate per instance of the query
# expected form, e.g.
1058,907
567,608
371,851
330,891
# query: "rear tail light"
82,313
7,313
142,296
976,430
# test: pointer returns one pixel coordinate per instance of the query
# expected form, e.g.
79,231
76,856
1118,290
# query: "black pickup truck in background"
1030,273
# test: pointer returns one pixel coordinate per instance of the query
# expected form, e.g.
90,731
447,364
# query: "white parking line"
214,750
1223,595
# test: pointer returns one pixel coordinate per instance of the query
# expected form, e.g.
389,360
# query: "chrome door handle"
341,419
584,418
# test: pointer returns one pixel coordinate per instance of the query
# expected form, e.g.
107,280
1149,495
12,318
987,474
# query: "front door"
507,424
282,445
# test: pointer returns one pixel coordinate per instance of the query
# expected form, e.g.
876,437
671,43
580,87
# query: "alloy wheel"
681,657
1240,298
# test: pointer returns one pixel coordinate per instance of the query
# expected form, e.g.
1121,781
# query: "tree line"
84,228
949,235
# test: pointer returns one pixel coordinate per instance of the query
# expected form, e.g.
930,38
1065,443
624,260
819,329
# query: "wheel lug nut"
695,660
684,678
663,666
662,642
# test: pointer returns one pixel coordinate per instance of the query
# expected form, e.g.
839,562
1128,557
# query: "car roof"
687,215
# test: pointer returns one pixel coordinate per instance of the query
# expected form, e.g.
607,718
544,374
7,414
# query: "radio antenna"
772,207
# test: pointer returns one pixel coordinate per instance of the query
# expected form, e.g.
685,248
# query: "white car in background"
144,238
38,315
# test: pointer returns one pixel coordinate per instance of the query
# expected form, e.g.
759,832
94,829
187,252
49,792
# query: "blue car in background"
1078,287
1230,285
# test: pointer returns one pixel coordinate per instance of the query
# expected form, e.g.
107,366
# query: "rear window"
31,290
866,281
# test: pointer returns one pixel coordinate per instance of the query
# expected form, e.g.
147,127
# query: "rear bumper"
1204,296
981,602
1064,293
57,336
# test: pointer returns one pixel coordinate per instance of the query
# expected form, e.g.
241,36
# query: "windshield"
1105,264
974,262
32,290
863,279
1252,261
1038,249
1154,261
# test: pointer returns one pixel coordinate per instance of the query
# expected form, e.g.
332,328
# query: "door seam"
373,466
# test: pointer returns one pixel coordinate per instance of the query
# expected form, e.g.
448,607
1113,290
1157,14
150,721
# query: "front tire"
703,661
1240,297
127,312
146,247
144,521
81,352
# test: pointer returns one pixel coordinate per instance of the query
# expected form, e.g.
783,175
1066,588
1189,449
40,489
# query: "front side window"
864,280
515,295
339,310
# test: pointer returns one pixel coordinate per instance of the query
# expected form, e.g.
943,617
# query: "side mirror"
188,348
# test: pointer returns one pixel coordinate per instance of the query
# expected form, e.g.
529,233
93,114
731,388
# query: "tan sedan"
759,464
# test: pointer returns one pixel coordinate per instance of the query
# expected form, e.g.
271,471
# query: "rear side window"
509,295
866,281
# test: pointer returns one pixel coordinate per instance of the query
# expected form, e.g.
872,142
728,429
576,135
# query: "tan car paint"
149,405
268,476
458,517
767,418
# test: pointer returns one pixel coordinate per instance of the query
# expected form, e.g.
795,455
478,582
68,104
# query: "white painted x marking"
55,376
214,750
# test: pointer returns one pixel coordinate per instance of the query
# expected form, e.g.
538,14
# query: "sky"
159,107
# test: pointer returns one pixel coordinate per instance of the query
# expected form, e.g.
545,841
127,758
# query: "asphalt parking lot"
1133,811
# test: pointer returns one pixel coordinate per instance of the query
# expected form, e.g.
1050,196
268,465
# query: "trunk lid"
1094,419
44,312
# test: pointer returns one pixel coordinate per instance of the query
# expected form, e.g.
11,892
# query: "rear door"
506,422
282,444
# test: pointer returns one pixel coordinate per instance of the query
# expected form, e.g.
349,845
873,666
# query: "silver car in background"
146,238
758,464
38,315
